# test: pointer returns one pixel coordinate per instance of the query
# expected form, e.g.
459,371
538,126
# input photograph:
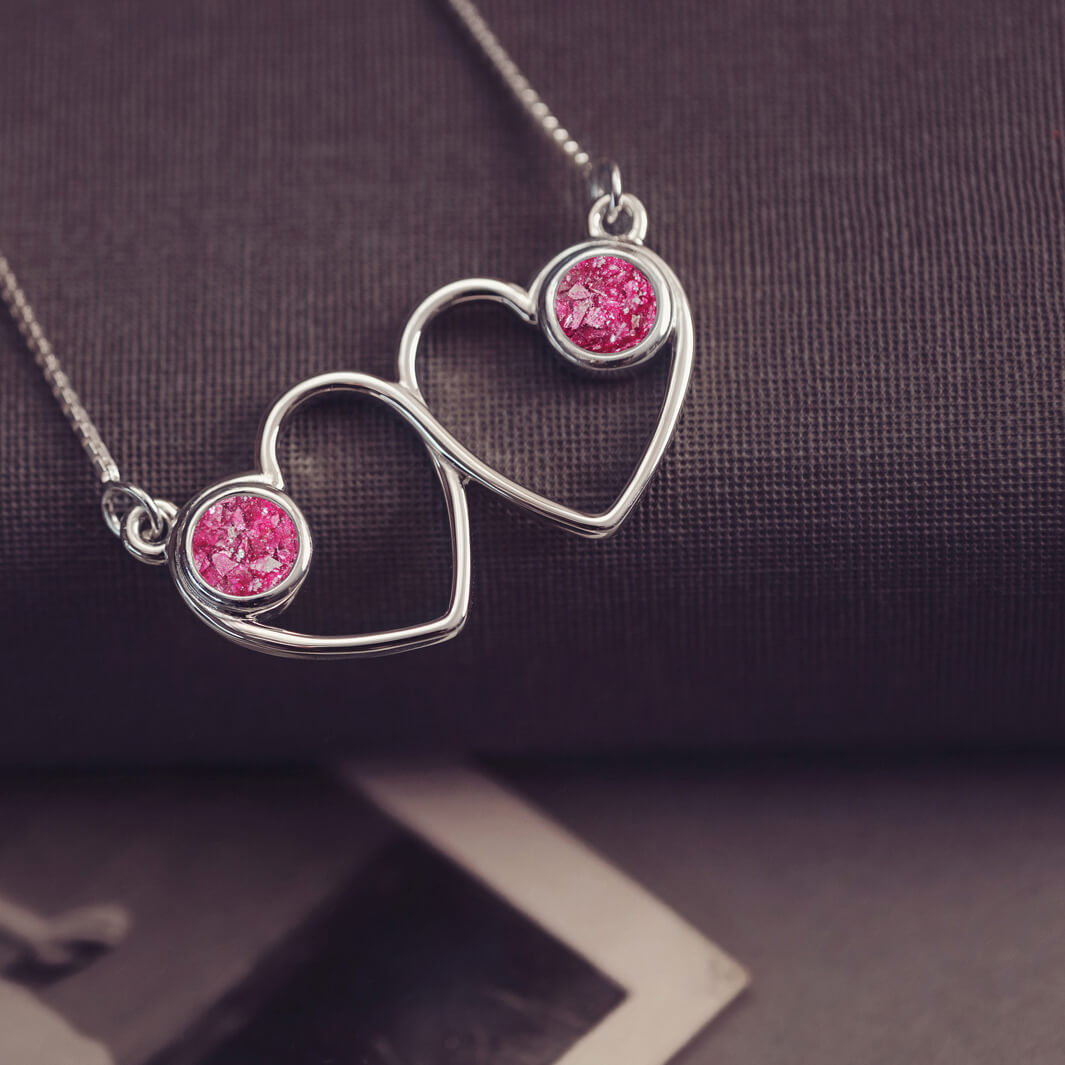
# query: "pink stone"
244,545
605,304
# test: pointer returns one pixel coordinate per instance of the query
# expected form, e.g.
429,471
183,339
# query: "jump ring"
599,218
605,179
135,495
149,548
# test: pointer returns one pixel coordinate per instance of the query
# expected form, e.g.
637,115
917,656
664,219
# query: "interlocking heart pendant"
240,550
605,305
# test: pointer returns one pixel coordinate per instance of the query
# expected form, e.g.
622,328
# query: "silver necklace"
239,550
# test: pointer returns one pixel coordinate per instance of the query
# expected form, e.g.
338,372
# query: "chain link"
518,85
604,178
58,382
140,506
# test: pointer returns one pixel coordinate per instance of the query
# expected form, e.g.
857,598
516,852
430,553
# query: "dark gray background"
857,537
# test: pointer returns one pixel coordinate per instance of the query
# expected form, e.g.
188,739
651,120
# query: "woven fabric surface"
858,535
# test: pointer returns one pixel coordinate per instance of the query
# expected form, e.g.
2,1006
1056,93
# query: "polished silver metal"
518,85
192,584
605,179
599,218
145,545
156,531
148,546
244,620
140,504
58,382
674,324
133,496
69,402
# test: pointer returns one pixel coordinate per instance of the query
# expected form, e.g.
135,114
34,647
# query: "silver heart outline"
246,629
525,303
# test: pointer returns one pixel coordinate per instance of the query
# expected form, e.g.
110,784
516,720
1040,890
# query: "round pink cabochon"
605,304
244,545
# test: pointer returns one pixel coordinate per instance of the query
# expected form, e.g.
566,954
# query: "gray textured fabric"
858,535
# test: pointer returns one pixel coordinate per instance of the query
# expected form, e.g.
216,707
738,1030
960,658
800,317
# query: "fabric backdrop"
857,536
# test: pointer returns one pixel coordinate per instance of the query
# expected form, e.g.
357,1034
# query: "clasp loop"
144,527
599,218
604,179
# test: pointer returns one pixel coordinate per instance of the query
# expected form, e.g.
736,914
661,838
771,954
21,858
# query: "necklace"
240,549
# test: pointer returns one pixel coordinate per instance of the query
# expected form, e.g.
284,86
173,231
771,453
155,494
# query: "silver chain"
604,179
58,382
518,85
126,507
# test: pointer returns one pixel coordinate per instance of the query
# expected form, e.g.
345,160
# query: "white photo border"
676,981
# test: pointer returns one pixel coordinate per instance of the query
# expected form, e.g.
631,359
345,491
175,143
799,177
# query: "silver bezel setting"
244,619
546,285
674,325
241,618
198,592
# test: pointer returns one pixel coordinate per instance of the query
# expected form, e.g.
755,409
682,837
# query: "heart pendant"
240,550
605,305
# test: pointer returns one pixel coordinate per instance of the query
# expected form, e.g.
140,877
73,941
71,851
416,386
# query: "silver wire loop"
599,218
534,306
605,179
148,547
245,619
134,496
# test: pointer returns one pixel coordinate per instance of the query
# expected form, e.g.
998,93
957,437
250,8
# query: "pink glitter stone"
244,545
604,304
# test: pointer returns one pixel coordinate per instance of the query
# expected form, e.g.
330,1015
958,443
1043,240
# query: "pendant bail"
599,219
144,527
604,179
